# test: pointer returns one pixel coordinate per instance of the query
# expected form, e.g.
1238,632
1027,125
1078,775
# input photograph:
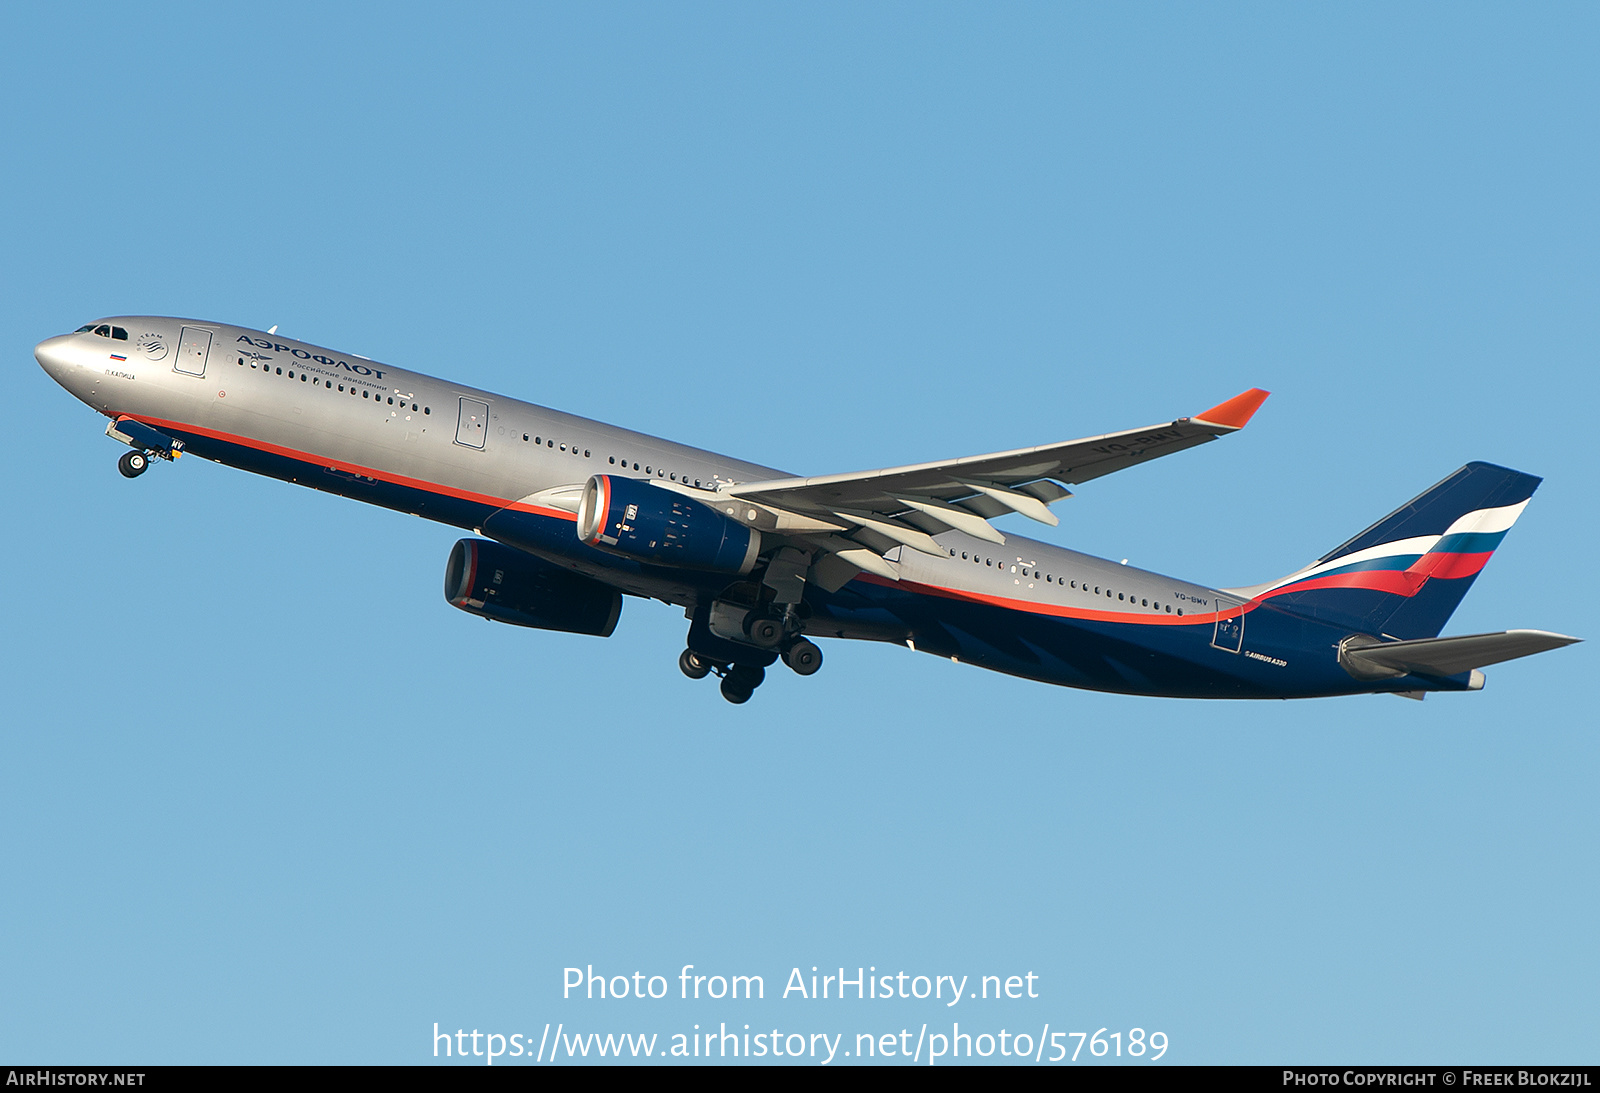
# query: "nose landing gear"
147,444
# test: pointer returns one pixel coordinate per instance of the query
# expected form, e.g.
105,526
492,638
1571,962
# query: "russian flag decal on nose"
118,357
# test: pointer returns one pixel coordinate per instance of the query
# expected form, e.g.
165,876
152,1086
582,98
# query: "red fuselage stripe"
1039,607
1035,607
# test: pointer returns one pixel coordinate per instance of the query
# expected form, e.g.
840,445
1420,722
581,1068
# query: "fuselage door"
1229,634
473,425
194,346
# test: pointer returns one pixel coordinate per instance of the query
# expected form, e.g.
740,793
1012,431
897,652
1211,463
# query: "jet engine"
506,585
644,522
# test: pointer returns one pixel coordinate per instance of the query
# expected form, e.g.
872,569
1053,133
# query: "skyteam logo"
153,346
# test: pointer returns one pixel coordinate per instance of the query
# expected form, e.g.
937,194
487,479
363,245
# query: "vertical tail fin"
1405,575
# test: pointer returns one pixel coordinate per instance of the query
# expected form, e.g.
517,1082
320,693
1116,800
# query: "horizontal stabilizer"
1443,657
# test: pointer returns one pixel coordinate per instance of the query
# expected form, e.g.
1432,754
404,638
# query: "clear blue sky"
265,797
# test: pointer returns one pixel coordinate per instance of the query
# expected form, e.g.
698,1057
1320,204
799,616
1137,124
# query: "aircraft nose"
53,355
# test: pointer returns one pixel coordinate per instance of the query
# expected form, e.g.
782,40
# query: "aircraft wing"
864,515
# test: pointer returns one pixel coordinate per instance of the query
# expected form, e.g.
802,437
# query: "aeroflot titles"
359,369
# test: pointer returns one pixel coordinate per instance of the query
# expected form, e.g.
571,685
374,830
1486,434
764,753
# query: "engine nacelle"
497,582
644,522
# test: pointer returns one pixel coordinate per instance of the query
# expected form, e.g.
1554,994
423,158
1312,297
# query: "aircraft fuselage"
511,470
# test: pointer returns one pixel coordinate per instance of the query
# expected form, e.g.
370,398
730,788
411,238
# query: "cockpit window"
84,329
104,330
119,334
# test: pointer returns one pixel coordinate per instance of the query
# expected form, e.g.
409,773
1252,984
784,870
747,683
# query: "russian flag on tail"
1405,575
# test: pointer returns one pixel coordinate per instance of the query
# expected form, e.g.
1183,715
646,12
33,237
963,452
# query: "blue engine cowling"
500,583
644,522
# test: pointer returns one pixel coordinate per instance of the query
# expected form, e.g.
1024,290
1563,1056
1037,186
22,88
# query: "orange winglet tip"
1237,411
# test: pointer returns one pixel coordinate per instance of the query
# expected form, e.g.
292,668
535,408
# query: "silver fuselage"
363,416
514,471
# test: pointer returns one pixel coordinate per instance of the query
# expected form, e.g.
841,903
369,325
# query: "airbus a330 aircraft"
572,514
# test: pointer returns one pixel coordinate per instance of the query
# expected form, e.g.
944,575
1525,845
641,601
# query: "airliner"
570,515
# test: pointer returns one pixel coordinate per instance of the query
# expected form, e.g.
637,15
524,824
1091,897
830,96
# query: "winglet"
1237,411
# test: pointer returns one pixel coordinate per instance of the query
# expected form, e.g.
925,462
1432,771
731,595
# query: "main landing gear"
739,681
693,665
750,625
133,464
804,657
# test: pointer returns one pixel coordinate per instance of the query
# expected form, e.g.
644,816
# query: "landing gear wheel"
741,682
692,666
764,631
133,464
804,657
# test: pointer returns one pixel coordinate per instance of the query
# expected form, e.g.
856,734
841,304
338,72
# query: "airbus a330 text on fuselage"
569,515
